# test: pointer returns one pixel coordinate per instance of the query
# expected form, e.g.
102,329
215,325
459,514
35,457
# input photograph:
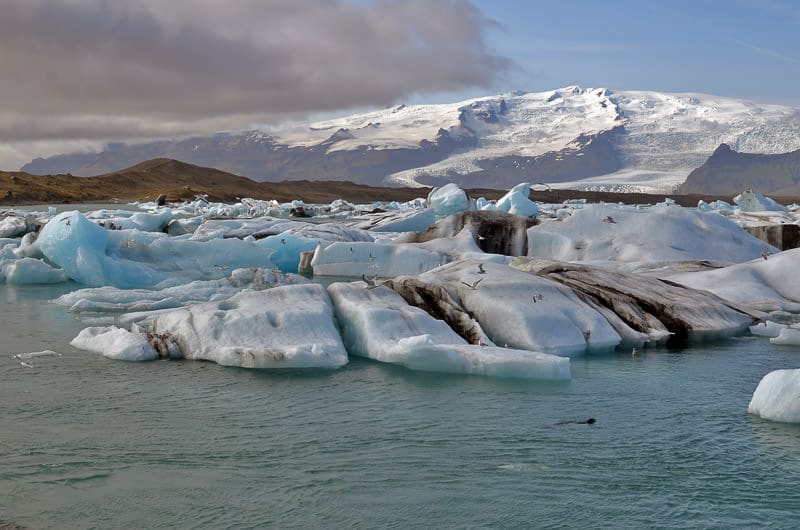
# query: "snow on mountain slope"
571,137
665,135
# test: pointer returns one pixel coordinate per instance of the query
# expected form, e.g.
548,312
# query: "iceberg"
511,307
448,199
415,220
777,397
373,259
291,326
516,201
767,329
115,343
761,284
787,337
113,299
753,201
94,256
378,324
13,226
30,271
599,232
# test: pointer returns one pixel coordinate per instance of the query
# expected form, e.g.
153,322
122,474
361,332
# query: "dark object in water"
161,200
588,422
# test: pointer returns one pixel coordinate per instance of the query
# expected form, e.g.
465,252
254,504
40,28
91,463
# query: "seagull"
635,352
608,219
370,281
765,254
481,238
221,267
481,270
537,297
474,284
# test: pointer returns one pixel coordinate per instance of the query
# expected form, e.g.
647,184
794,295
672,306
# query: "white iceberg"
777,397
753,201
291,326
448,199
373,259
377,323
787,337
30,271
600,232
513,308
762,284
93,256
115,343
516,201
767,329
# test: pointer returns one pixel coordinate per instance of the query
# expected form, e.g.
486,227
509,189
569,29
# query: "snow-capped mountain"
571,137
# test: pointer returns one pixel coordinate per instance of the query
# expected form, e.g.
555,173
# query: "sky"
81,73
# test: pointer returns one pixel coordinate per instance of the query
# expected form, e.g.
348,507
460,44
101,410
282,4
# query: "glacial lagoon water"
87,442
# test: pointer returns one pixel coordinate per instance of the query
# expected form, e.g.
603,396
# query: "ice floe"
115,343
600,232
378,324
777,397
763,284
291,326
510,307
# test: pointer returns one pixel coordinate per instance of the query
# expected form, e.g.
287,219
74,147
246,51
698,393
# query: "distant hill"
727,172
584,138
182,181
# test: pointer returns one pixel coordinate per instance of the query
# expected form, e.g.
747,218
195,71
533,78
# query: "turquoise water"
90,442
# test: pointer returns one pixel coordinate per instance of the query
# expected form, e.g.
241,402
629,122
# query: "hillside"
726,171
573,137
182,181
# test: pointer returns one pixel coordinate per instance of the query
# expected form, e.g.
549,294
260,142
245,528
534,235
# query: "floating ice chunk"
767,329
115,343
787,337
762,284
777,397
31,271
378,324
13,226
146,222
112,299
287,250
448,199
516,201
753,201
397,221
383,260
618,233
285,327
93,256
512,307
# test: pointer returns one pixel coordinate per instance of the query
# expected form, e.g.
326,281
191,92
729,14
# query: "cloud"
98,69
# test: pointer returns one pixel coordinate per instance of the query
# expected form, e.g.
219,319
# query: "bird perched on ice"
765,254
537,297
371,281
481,270
473,285
608,219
